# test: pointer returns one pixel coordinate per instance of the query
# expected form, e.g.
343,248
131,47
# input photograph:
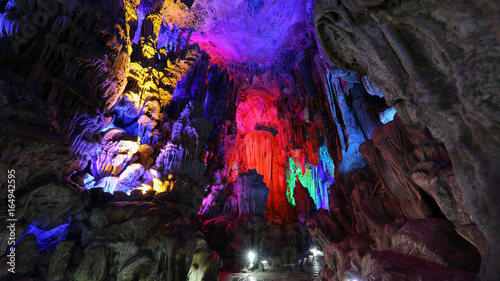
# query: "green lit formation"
316,179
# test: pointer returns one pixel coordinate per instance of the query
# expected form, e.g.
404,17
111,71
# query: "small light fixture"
251,256
315,252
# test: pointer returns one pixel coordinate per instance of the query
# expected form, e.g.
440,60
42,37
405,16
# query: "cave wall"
83,127
435,61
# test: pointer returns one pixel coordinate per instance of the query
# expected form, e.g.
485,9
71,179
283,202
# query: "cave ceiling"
252,30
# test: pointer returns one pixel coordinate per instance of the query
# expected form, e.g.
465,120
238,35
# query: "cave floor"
292,272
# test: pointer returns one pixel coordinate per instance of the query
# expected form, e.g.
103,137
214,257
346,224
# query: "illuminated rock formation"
93,110
252,194
304,202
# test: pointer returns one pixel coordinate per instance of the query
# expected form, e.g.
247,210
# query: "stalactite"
260,148
351,135
316,179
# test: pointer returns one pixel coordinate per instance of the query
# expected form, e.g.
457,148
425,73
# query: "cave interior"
165,140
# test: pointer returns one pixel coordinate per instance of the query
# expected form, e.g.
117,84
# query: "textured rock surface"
252,30
28,255
427,58
252,193
305,204
60,261
84,107
412,165
435,240
235,223
141,240
384,207
388,266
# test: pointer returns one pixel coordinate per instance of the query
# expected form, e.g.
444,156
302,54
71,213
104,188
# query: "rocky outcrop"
304,203
412,165
235,222
427,58
391,166
141,240
388,265
129,238
437,241
252,193
389,208
83,125
60,261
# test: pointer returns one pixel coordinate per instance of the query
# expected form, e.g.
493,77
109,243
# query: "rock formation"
436,63
84,107
252,193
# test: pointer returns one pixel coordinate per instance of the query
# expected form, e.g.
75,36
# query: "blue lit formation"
88,181
349,130
387,115
47,239
141,13
168,38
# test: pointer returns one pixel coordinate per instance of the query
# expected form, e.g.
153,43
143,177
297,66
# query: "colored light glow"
129,147
259,27
88,181
108,184
387,115
168,38
47,239
316,179
111,168
141,14
326,162
110,126
160,186
142,187
349,130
